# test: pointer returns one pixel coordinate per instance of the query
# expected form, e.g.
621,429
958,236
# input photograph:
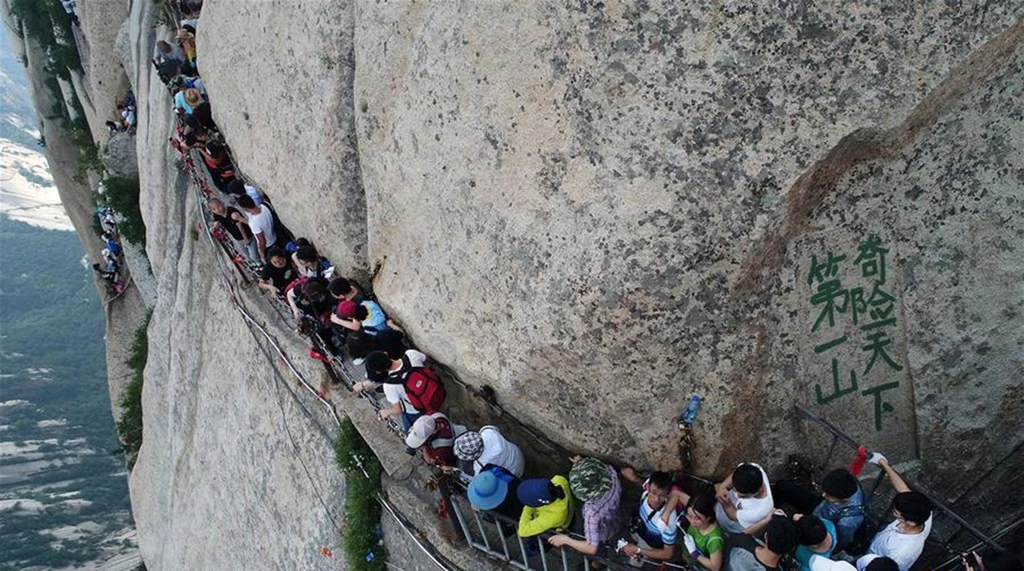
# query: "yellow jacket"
556,515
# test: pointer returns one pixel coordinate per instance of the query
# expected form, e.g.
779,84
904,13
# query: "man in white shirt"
261,222
394,386
903,539
745,502
489,447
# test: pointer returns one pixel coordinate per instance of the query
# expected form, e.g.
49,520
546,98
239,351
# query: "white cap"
420,431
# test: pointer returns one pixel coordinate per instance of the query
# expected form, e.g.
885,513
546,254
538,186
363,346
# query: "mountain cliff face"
597,211
606,209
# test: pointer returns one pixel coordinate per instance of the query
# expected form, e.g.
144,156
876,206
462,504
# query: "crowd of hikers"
109,272
746,522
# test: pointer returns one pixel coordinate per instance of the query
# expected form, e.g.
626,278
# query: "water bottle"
690,414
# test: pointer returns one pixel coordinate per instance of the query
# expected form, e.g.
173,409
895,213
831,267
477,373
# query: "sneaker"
359,361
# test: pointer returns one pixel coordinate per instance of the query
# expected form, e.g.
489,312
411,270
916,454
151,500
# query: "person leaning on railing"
597,485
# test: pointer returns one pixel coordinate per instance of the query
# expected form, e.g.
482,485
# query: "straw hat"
193,97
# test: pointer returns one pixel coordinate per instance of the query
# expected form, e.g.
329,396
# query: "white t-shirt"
499,452
903,548
395,393
263,223
820,563
749,511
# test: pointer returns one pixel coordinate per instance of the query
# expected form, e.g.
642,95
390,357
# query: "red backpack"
424,389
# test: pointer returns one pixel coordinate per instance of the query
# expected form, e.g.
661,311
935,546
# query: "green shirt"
713,542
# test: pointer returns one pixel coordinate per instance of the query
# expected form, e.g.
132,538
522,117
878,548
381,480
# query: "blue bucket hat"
486,491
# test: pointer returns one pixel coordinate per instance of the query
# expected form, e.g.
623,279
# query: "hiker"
113,127
989,561
494,489
409,368
112,264
902,540
819,563
488,446
342,289
308,262
261,223
745,501
238,187
168,61
112,246
703,538
166,51
748,554
653,529
311,306
234,223
187,40
110,277
360,345
278,273
433,435
815,536
308,297
218,163
127,116
841,502
547,505
597,485
69,9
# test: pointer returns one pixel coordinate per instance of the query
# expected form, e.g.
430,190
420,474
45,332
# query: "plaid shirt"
601,516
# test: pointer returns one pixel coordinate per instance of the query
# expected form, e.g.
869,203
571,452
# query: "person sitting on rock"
488,446
816,536
597,485
748,554
745,501
234,223
434,436
547,505
278,273
902,540
262,224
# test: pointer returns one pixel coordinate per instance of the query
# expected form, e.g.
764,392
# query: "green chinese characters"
871,309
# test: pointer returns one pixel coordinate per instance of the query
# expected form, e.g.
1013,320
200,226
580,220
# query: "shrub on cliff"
123,196
129,426
361,539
